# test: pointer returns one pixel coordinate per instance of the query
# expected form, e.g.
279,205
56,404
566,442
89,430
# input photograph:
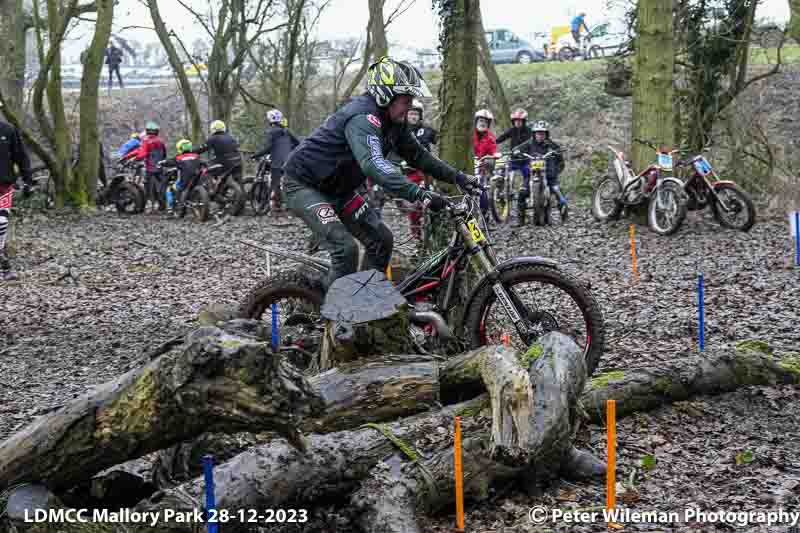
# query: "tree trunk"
219,381
653,113
68,189
794,22
495,85
90,80
643,389
12,54
374,47
189,99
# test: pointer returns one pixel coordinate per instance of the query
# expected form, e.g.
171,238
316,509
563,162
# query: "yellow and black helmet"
387,78
184,146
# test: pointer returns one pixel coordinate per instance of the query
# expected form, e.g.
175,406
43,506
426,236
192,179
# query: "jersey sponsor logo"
374,120
5,199
377,156
326,214
420,132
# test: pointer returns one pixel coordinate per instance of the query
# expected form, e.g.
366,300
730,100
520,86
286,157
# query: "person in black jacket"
225,149
519,133
553,166
323,174
113,60
279,142
12,152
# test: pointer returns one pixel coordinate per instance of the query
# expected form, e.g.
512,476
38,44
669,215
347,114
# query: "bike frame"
440,270
639,178
697,176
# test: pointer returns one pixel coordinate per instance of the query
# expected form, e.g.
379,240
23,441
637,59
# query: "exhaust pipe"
423,318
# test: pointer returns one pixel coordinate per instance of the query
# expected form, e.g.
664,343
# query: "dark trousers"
275,186
111,70
336,221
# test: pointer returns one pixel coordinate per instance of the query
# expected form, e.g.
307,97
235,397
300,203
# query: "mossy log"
216,382
643,389
395,469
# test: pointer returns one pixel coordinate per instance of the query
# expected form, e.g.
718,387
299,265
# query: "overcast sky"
417,26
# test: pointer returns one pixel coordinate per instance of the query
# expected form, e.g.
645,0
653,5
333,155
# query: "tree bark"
189,99
643,389
495,85
219,381
86,175
460,52
653,113
794,22
12,54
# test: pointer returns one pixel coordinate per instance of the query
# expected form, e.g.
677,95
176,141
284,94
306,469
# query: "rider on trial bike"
323,173
483,144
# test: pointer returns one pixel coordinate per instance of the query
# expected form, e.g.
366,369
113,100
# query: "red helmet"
519,114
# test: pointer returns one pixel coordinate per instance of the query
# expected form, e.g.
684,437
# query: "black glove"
467,181
432,201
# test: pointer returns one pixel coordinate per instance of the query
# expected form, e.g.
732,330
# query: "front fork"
487,265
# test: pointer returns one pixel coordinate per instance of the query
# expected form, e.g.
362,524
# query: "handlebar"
538,157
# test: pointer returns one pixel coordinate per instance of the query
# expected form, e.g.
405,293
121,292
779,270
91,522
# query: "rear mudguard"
493,276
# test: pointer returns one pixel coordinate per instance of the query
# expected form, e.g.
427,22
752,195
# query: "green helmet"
151,126
183,146
388,78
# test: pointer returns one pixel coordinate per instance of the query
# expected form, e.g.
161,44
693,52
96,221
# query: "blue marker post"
701,313
797,237
276,339
208,471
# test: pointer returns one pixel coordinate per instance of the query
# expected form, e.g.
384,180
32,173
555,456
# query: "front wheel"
501,200
667,208
741,213
231,198
198,202
606,199
259,197
540,207
551,300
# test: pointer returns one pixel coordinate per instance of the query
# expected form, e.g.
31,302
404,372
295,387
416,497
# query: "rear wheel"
551,300
128,199
741,214
260,197
231,198
198,202
295,298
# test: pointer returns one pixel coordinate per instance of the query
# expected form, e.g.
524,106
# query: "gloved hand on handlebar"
431,200
466,181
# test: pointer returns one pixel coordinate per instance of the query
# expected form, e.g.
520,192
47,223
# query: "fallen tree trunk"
643,389
218,382
531,428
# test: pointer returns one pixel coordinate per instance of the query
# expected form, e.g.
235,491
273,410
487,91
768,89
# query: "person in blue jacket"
577,23
130,145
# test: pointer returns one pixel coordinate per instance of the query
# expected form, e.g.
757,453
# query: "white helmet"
486,114
541,125
274,116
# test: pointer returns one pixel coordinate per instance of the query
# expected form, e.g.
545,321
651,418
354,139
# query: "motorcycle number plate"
537,165
475,229
702,166
665,161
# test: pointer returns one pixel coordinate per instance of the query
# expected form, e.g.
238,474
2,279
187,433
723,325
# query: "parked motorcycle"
664,194
123,194
522,297
732,207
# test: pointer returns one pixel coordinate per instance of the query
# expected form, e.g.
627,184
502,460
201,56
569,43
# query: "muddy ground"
96,291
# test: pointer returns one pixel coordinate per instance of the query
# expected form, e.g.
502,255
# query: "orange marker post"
389,272
506,338
459,477
633,252
611,472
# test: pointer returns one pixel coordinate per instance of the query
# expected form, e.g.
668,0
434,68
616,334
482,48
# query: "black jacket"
12,151
352,144
279,142
517,136
113,56
225,148
554,165
188,165
426,135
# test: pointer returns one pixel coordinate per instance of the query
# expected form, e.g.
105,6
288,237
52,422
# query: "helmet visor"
418,91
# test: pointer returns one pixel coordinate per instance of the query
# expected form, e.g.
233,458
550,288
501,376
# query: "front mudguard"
493,276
